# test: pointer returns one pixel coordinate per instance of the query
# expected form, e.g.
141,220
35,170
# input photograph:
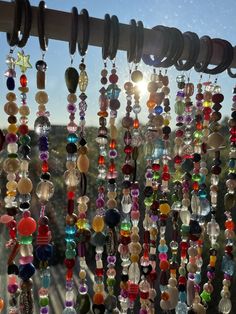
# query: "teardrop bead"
71,78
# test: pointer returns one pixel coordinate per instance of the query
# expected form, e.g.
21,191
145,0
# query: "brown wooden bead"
25,186
41,80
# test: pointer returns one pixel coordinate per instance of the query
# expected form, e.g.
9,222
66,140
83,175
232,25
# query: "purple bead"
83,289
81,249
154,218
234,98
69,285
71,108
11,138
210,275
113,153
135,206
188,119
180,119
180,94
142,311
68,303
227,277
111,259
100,203
199,104
124,293
44,310
186,184
12,288
44,155
191,276
135,192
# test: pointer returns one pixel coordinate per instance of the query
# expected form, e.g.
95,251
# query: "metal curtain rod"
57,26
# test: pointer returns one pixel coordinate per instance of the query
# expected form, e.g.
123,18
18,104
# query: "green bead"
71,245
156,176
126,225
26,240
196,177
25,139
111,282
179,107
229,201
205,296
71,78
185,230
43,301
198,134
70,254
12,155
148,201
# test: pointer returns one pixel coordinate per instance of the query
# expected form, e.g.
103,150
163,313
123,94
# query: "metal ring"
132,41
139,42
106,36
82,47
207,43
114,37
73,31
156,61
194,48
13,38
43,40
27,14
228,54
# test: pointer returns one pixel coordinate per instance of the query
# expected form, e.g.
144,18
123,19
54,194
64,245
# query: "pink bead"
26,260
162,256
135,214
5,219
12,279
43,292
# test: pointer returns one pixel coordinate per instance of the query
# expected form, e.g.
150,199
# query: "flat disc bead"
24,110
26,226
41,97
72,98
25,186
11,108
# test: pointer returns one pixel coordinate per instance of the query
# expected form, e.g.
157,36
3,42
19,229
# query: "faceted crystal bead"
225,306
45,190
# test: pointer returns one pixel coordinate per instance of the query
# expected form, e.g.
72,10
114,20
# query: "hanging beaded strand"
11,166
27,225
212,100
112,215
228,263
98,237
83,228
71,175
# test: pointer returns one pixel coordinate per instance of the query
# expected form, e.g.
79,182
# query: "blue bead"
228,265
72,138
182,296
202,194
26,271
10,83
44,252
231,163
70,230
197,278
163,248
46,280
181,308
158,109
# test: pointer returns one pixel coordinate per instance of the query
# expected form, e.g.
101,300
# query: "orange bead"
151,104
69,274
103,114
98,298
164,265
44,166
112,168
136,124
165,296
195,186
199,126
112,144
1,304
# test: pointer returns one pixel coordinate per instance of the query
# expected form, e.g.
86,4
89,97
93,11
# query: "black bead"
24,205
112,181
182,288
196,157
12,211
45,176
181,85
233,114
126,184
148,191
82,96
24,150
12,119
124,277
71,148
166,130
82,142
12,269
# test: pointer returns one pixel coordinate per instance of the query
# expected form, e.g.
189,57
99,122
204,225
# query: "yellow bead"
81,223
11,186
83,81
164,208
12,128
82,274
11,96
166,122
11,193
98,223
207,103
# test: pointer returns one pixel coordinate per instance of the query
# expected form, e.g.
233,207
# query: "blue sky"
214,18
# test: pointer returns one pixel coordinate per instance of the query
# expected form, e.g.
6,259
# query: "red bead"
43,229
128,149
112,168
177,159
44,166
70,263
207,111
26,226
127,169
101,160
232,138
69,274
199,96
12,233
156,167
233,130
182,280
179,133
153,275
71,195
195,186
23,80
165,168
165,176
113,78
183,245
144,295
23,129
99,272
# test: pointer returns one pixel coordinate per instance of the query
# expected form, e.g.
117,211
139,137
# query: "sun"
142,85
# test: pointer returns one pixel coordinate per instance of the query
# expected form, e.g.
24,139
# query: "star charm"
23,61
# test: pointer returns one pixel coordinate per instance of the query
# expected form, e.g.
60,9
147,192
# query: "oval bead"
71,78
83,163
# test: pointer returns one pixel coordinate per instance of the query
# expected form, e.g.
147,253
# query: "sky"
214,18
